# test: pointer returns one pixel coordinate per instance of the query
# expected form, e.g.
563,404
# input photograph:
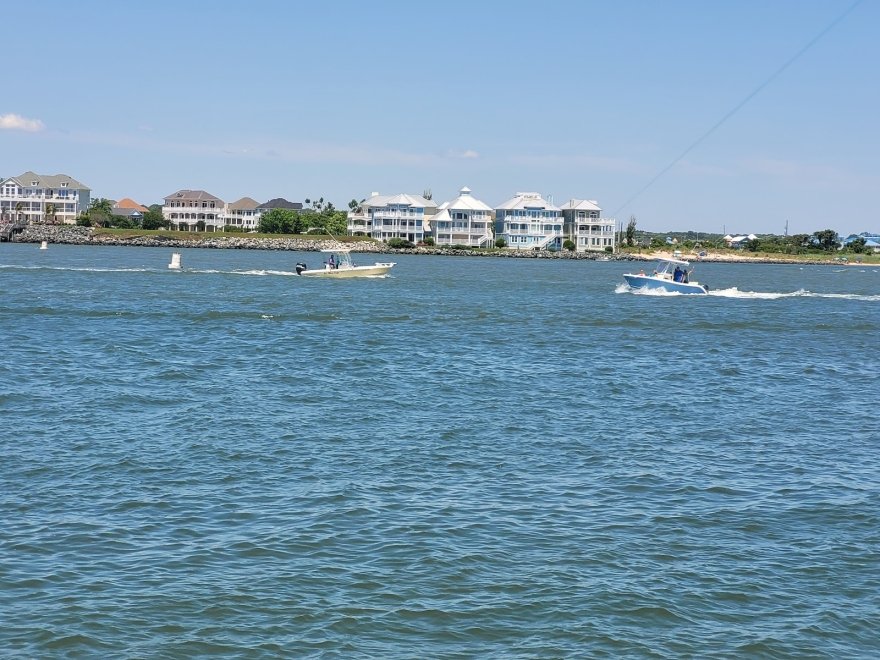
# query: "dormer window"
35,183
64,184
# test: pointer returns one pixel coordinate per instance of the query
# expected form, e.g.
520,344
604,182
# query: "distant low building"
739,242
31,197
528,222
193,210
128,208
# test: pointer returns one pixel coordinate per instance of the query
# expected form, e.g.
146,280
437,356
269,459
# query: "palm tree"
101,204
49,213
19,207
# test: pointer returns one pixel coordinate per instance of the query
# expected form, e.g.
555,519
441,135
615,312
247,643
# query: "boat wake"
734,292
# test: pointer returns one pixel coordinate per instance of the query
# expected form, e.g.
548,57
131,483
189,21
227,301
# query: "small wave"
78,269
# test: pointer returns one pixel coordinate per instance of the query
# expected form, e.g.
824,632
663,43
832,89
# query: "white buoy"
44,245
175,261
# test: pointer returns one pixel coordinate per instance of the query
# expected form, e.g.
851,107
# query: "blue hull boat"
670,275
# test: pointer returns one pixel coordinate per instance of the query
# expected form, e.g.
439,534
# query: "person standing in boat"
676,274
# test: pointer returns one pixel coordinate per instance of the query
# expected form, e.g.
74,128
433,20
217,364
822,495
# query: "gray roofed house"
244,213
33,180
193,210
244,204
280,203
192,196
32,197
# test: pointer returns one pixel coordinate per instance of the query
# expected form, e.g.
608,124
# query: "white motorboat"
339,264
670,275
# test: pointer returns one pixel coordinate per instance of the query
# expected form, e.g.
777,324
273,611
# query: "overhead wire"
739,105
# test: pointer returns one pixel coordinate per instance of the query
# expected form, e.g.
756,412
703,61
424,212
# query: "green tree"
282,221
153,219
857,245
569,245
19,208
102,204
631,231
500,242
826,239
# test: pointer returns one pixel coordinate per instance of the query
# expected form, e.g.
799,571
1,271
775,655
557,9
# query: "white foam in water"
734,292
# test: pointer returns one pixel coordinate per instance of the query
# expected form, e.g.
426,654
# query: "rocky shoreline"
74,235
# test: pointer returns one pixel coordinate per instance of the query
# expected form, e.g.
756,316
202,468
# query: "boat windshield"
662,268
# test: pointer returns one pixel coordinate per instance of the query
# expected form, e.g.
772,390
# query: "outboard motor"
300,267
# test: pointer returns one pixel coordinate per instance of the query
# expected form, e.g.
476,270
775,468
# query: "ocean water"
473,457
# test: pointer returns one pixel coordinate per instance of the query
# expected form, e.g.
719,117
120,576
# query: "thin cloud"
13,122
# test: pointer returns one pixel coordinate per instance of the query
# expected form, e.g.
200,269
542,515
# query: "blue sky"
589,100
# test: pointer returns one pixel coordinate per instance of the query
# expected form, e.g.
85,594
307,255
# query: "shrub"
429,240
500,242
569,245
398,243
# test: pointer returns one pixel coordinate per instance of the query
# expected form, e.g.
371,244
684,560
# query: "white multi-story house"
529,222
585,226
244,214
392,216
193,210
463,221
42,198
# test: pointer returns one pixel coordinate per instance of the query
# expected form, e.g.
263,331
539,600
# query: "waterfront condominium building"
392,216
463,221
243,214
30,198
528,222
585,226
193,210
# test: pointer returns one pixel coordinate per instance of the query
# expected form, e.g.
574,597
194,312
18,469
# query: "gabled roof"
244,204
27,180
376,200
281,203
466,202
128,212
128,203
193,196
527,200
581,205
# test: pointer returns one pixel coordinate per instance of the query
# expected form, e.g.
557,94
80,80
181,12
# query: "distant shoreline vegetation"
646,247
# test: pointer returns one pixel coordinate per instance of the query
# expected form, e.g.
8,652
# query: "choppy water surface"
473,457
